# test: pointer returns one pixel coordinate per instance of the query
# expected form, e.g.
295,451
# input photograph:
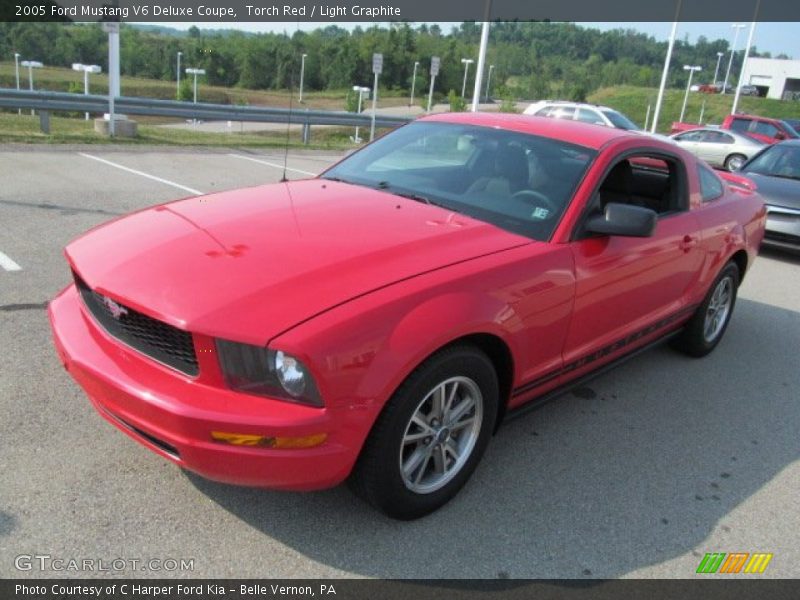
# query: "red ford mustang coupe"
378,322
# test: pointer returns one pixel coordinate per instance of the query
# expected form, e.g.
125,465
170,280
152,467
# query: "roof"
575,132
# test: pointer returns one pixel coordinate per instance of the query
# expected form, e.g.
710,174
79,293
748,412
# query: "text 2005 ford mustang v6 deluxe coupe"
376,323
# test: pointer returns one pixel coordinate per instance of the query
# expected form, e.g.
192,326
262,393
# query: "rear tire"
430,436
709,322
734,162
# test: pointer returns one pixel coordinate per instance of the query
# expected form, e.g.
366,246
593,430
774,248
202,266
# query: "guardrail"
47,102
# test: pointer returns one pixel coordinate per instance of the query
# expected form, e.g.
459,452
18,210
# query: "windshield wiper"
339,179
385,185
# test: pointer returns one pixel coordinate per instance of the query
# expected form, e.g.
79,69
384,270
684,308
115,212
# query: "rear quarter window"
711,187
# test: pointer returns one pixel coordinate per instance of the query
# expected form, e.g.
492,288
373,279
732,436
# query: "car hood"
777,191
250,264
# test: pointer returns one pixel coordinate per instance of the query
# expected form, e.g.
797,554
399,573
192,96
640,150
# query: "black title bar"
228,11
706,588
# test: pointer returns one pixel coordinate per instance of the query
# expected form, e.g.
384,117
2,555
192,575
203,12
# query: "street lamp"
178,80
16,70
361,91
716,71
413,83
86,70
691,70
195,72
488,81
31,64
302,73
466,62
737,27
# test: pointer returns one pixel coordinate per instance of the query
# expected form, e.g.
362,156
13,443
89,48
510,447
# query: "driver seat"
510,173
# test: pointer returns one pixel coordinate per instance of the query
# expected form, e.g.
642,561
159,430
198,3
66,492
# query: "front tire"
734,162
430,436
708,324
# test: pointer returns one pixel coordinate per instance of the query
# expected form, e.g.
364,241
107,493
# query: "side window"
726,139
589,116
740,125
711,187
763,128
563,112
691,136
544,112
649,181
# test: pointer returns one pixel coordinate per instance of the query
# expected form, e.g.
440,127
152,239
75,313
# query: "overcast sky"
772,37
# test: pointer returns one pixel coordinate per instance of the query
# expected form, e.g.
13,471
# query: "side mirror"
780,136
624,219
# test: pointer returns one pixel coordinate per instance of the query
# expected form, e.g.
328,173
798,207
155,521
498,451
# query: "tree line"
532,60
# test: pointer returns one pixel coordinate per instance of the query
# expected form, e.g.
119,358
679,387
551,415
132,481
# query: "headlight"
265,372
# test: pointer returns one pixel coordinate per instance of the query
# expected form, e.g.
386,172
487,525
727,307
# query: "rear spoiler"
738,181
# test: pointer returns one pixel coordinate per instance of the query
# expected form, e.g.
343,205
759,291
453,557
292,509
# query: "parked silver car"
719,148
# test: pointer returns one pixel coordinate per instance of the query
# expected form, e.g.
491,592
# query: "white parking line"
271,164
8,264
147,175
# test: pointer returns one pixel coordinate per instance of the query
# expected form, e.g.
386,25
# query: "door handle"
688,242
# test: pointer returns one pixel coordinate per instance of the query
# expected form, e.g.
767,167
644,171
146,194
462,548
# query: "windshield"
780,160
620,121
519,182
790,130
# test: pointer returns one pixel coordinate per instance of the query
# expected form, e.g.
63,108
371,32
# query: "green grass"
633,102
25,129
58,79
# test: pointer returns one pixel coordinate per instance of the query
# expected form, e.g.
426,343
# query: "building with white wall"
774,77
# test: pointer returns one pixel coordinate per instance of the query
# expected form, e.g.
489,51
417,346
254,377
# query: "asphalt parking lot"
637,474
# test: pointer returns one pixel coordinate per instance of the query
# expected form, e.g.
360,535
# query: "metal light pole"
716,71
489,81
377,69
744,60
691,70
195,72
665,72
736,27
86,70
361,91
413,83
16,70
434,73
178,81
466,62
302,74
31,64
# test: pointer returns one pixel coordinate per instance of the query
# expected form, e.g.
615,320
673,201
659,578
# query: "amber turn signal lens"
248,439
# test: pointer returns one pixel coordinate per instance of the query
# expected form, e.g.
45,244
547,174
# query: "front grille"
164,343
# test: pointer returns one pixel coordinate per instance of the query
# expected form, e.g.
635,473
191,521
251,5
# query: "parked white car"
578,111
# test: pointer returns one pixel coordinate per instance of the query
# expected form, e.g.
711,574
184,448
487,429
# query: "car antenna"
284,179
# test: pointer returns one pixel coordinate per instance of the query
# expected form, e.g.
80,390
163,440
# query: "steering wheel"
544,209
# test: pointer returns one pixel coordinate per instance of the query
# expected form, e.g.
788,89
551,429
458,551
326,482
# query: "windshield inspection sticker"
540,213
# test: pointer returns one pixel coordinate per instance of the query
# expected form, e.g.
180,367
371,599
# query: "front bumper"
783,226
173,414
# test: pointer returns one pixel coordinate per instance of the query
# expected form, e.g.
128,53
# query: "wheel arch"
502,359
740,259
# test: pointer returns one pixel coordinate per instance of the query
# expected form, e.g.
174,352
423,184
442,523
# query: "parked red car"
378,322
762,129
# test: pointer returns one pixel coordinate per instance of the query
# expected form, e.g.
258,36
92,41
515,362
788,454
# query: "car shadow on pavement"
655,460
790,256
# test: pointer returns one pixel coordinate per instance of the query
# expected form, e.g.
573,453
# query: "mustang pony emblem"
115,309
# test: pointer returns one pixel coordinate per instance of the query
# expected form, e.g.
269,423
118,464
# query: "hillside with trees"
532,60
